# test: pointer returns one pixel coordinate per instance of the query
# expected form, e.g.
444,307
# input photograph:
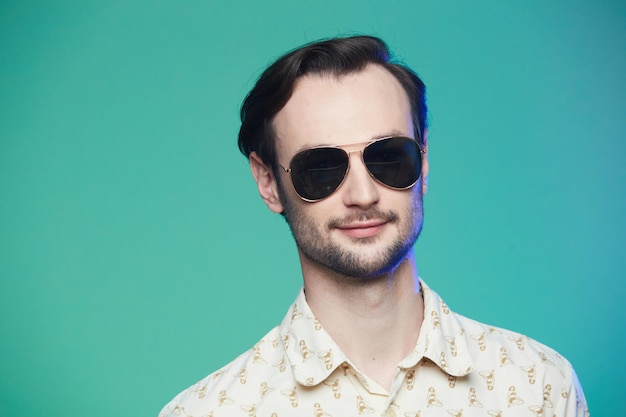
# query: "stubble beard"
353,260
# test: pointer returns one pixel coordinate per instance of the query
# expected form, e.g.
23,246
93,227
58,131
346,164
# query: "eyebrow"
393,132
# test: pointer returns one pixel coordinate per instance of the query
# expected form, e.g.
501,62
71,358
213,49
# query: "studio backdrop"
135,253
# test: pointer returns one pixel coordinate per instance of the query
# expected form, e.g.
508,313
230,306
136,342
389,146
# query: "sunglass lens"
316,173
395,162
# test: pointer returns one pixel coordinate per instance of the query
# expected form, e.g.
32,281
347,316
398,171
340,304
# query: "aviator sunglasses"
395,162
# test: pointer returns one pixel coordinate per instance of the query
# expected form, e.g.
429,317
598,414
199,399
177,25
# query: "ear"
266,183
425,166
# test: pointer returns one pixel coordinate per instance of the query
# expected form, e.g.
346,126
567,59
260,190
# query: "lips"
363,229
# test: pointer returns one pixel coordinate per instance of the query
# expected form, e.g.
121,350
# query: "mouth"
363,229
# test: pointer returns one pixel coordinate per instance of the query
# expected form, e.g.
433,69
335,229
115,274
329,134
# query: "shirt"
458,368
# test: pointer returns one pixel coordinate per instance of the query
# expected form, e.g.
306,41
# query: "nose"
359,188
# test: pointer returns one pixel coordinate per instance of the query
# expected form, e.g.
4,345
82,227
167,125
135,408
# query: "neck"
375,321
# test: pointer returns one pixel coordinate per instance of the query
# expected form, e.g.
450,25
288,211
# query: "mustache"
387,216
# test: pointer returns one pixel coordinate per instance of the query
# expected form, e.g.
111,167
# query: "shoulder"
517,362
487,342
502,362
490,346
240,379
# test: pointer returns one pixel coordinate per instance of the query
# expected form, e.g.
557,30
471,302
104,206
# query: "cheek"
401,199
297,211
286,193
410,206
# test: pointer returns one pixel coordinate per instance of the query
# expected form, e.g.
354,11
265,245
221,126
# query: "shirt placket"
371,395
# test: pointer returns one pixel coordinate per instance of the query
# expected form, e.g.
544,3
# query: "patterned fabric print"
459,368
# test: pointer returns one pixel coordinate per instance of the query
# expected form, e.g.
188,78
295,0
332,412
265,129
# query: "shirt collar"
442,339
314,355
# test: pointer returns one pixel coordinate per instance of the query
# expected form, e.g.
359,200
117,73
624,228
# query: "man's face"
363,229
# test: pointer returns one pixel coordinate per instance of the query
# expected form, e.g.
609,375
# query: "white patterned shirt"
458,368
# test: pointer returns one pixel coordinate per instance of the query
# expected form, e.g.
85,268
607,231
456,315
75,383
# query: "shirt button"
390,413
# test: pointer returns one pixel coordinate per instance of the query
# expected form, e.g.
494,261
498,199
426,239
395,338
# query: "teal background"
136,256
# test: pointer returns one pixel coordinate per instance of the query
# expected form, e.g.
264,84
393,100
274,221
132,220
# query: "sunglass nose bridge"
360,187
356,162
354,147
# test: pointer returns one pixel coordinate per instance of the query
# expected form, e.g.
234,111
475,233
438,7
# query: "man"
337,142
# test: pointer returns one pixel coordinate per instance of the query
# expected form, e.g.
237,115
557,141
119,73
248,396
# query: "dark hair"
337,56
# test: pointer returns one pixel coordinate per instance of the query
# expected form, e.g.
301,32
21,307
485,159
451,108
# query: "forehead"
340,110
